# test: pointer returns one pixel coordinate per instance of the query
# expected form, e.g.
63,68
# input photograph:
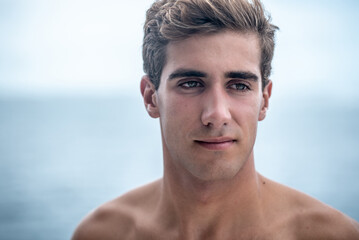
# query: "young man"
208,64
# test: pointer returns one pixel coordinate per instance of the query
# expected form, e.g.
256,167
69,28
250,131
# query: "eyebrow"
242,75
194,73
186,73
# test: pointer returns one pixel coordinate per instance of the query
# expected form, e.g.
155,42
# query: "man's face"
209,102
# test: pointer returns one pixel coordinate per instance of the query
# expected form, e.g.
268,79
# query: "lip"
216,144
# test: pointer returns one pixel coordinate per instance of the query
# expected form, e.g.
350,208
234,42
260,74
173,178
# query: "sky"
88,47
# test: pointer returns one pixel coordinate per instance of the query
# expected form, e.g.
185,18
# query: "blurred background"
74,133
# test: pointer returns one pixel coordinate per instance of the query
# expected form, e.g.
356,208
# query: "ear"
149,95
267,92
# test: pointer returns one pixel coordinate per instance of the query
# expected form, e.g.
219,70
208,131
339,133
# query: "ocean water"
62,157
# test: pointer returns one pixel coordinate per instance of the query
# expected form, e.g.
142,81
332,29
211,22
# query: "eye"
239,87
191,84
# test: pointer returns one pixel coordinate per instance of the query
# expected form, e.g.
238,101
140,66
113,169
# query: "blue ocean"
60,157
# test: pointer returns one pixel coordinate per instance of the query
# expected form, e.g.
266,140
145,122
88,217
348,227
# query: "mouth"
217,144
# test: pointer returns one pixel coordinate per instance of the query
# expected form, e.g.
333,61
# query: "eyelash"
197,84
237,85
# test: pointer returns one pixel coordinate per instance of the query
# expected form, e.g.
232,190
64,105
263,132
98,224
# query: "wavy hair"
173,20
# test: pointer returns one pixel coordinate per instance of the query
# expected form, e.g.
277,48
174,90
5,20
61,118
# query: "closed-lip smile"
217,144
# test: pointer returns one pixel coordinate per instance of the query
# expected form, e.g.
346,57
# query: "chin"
215,173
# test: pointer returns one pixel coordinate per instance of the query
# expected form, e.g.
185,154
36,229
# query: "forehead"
215,53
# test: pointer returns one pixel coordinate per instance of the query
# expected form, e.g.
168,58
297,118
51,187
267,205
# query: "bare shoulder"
308,218
117,219
316,220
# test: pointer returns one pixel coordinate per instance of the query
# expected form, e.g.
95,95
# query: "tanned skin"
209,103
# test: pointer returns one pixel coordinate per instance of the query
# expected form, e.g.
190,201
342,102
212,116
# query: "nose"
216,112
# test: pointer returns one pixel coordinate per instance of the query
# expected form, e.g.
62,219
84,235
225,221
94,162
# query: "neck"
200,206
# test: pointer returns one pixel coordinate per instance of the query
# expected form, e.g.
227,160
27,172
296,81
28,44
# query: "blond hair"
172,20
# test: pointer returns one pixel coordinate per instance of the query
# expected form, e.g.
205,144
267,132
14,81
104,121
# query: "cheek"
181,109
247,111
177,114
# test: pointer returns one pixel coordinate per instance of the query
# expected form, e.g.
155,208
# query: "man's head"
173,20
207,65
